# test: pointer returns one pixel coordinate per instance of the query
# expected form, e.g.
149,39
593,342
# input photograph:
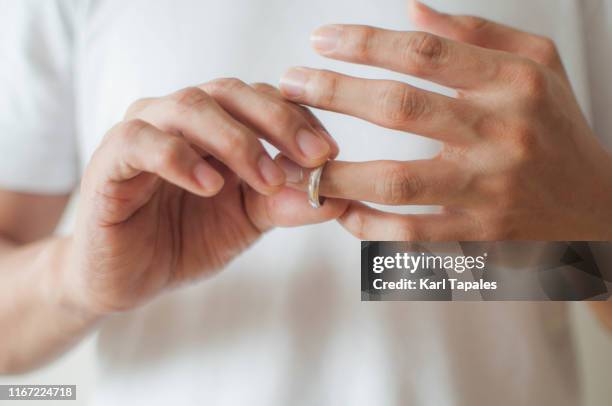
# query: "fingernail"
325,39
293,82
417,7
311,144
294,172
334,145
272,174
424,6
207,177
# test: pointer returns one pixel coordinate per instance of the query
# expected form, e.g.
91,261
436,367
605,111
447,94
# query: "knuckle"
224,85
427,51
137,106
362,42
397,186
170,153
546,51
401,104
327,88
130,129
190,98
487,125
233,143
263,87
532,80
525,142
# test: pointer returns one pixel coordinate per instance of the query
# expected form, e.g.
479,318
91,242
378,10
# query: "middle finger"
388,103
275,120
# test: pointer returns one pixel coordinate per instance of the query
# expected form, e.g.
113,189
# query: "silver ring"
314,180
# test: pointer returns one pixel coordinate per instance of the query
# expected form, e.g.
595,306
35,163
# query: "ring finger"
427,182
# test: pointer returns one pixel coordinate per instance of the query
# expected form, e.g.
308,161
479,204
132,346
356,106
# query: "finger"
194,114
273,119
135,147
431,182
370,224
288,208
485,33
387,103
273,92
449,63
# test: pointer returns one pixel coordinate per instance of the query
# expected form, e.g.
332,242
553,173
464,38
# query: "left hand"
519,160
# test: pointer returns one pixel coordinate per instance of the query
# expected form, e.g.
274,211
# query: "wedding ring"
314,180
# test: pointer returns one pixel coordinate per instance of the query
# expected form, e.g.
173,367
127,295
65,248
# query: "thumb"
288,208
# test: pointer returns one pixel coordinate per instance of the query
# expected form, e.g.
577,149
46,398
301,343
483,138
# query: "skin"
173,193
164,203
516,151
516,146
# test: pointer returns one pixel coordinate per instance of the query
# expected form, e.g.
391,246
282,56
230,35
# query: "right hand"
183,185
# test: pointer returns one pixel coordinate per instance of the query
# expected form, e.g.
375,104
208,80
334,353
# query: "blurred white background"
594,349
78,367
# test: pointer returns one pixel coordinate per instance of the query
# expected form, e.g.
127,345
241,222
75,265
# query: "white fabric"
37,138
284,323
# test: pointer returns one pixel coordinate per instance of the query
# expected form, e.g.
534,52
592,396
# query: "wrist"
59,286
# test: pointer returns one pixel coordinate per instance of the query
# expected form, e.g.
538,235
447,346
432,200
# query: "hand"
519,160
184,185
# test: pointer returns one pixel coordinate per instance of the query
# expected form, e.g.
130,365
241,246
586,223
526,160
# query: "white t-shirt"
283,324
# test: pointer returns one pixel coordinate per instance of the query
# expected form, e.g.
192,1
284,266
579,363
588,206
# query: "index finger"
447,62
488,34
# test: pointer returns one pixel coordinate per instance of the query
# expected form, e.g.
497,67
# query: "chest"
129,50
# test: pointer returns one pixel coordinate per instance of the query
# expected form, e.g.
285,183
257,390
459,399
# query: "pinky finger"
367,223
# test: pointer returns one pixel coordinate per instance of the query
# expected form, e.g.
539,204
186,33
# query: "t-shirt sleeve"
37,136
597,24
